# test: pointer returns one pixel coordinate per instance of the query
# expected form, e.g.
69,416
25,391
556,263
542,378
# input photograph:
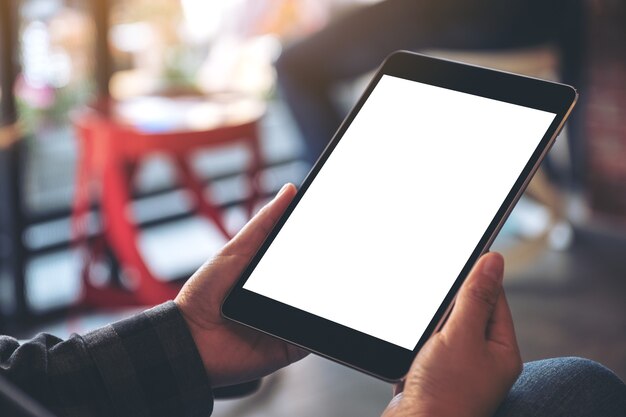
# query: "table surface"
162,114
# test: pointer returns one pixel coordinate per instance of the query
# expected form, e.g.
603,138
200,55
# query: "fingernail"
283,189
493,267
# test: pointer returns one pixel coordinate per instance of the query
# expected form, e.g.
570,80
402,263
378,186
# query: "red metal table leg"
207,208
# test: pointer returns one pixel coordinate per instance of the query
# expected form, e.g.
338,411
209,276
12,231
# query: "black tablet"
412,189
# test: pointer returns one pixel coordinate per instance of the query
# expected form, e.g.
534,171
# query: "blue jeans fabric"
565,387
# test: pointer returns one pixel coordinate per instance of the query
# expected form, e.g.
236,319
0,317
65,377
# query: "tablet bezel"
348,346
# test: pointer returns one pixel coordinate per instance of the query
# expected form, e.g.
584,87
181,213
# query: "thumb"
477,299
250,237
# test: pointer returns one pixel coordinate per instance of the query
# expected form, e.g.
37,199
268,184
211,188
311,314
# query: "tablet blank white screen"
387,225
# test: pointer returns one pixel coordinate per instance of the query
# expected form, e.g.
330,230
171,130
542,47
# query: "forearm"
145,365
54,372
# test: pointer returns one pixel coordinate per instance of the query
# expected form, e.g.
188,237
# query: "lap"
565,387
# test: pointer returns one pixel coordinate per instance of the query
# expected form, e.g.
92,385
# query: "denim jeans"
565,387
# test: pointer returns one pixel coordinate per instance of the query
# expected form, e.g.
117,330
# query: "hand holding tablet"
230,353
473,360
468,367
429,163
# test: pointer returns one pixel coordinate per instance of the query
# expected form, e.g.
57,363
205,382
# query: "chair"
113,138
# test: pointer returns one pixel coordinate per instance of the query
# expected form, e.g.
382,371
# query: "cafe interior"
137,137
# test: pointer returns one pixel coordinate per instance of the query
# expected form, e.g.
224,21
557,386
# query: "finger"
398,388
476,301
250,237
500,329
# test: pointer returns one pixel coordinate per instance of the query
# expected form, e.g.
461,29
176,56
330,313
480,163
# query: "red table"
114,137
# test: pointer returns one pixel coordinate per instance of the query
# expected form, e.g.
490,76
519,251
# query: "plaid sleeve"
146,365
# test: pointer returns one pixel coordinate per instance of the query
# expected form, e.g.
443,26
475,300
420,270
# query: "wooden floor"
574,302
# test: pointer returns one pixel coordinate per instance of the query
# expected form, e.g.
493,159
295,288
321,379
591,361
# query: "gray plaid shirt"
146,365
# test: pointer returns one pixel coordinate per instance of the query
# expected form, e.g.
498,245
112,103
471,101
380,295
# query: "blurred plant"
54,108
180,69
56,70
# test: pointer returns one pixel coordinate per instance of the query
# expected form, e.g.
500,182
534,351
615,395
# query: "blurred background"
137,136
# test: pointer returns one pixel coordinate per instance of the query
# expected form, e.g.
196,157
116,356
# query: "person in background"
310,70
166,360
